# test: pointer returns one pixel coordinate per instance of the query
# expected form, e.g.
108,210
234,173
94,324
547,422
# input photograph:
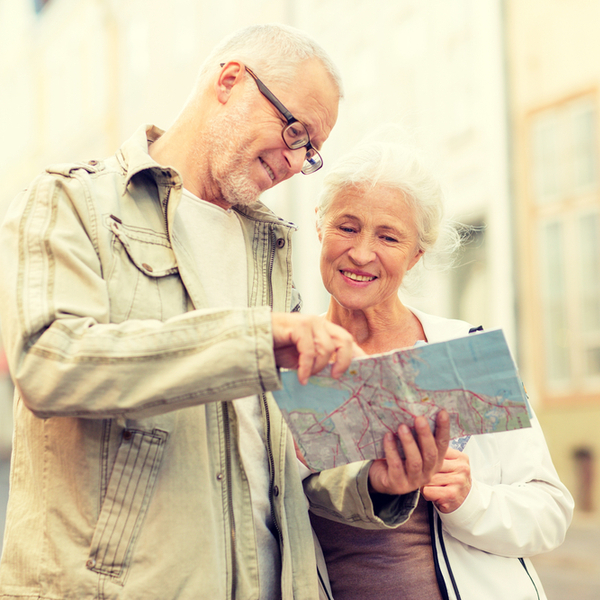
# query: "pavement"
571,572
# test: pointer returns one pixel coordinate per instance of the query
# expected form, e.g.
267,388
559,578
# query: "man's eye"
347,229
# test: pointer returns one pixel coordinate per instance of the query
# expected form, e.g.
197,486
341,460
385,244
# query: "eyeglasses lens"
295,135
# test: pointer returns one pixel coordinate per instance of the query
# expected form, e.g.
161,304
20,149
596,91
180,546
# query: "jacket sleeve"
67,359
342,495
517,506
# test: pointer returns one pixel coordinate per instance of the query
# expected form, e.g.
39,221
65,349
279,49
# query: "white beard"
230,164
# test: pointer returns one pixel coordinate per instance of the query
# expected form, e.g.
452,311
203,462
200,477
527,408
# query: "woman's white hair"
273,51
398,167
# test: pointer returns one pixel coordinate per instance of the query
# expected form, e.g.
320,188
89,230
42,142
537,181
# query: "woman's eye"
387,238
347,229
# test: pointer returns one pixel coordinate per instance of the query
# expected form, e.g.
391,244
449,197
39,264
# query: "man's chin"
242,195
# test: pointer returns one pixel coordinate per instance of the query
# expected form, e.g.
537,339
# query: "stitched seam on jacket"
159,402
30,238
60,357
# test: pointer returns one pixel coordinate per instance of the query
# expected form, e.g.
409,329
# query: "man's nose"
295,159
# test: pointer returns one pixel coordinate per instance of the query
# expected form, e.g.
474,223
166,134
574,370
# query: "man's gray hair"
273,51
395,166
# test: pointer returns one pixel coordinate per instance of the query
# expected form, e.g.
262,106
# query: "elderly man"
145,321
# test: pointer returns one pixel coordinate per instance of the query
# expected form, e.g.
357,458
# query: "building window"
567,209
588,232
554,299
565,151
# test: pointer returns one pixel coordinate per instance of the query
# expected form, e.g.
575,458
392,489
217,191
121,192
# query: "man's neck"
174,149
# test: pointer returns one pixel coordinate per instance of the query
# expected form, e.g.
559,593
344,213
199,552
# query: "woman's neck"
378,329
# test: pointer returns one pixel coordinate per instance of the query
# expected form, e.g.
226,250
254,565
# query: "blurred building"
77,77
553,49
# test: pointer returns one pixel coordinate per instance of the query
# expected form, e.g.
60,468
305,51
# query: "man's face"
247,152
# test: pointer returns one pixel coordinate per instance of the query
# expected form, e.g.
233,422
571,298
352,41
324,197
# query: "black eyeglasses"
294,134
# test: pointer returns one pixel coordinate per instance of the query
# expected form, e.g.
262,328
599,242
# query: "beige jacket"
126,477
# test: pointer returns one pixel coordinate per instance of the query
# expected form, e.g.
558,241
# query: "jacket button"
127,435
280,243
275,491
147,267
219,476
90,564
93,163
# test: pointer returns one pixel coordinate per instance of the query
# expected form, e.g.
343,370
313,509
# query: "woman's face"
368,242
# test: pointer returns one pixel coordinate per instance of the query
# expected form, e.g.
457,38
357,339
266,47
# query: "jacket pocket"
143,282
127,498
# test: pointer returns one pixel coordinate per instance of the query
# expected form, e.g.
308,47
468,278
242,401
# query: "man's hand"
392,475
449,488
308,343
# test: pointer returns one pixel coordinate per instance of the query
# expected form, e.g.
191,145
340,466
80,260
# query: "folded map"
338,421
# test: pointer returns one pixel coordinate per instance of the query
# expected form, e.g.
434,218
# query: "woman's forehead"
371,200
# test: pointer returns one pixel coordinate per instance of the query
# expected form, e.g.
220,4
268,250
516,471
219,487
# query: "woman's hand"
423,457
449,488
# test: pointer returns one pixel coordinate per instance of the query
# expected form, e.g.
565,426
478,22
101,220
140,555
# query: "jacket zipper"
271,263
446,560
264,397
227,434
436,561
522,561
165,207
271,469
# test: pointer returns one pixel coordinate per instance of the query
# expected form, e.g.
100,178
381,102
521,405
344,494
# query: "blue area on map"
287,398
479,361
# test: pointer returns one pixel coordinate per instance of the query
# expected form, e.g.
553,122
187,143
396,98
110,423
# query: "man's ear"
231,74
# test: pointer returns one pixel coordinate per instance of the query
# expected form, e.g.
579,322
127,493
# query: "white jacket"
517,507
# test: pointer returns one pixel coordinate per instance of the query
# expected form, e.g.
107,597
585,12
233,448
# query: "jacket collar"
134,158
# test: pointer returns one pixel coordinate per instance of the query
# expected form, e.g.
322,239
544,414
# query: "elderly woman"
496,501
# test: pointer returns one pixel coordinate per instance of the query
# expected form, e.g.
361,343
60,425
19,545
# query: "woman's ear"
415,259
319,233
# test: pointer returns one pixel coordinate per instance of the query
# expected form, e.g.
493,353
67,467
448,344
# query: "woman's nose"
361,251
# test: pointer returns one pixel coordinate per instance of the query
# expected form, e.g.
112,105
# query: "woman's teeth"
356,277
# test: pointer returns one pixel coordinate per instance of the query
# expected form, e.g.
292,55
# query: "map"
336,422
